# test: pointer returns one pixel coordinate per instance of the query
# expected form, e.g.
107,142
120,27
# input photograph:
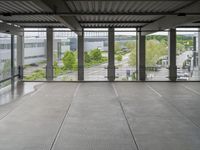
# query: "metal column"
141,56
12,62
81,56
194,52
49,67
198,51
111,54
20,55
172,55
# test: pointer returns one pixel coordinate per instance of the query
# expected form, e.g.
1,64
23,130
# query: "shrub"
87,57
119,58
96,54
69,60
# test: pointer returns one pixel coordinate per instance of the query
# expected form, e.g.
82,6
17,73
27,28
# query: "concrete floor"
104,116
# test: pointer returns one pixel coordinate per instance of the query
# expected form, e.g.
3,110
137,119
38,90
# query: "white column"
12,62
198,50
49,67
172,55
20,55
111,54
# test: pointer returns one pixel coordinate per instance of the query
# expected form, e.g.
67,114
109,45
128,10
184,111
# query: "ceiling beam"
134,0
118,0
10,29
32,22
167,22
71,14
112,22
53,6
81,22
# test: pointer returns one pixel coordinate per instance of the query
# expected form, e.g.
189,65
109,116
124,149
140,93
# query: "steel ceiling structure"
78,14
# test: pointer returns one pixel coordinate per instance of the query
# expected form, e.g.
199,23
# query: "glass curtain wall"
187,54
5,59
95,54
65,56
125,54
157,57
35,54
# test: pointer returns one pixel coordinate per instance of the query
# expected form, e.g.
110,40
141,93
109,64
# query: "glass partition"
65,56
157,57
125,54
187,54
95,54
35,55
5,59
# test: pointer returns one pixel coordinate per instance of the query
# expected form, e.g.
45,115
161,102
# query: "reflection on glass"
187,55
125,55
95,55
5,59
65,56
35,56
157,56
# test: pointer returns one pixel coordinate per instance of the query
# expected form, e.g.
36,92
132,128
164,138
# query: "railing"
125,74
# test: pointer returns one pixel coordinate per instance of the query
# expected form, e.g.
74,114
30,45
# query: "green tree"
57,69
117,47
154,51
132,58
130,45
180,48
119,57
87,57
96,55
69,60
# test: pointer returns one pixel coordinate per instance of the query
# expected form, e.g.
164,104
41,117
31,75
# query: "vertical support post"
81,56
12,62
137,62
141,56
194,53
49,67
20,55
198,50
111,54
172,55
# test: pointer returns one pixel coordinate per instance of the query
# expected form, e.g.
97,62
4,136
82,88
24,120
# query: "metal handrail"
4,80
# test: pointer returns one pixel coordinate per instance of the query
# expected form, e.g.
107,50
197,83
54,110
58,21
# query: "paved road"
181,58
99,72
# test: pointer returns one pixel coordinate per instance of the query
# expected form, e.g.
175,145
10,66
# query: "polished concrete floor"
103,116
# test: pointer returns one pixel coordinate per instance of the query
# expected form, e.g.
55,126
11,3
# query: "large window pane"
5,59
125,54
96,55
157,56
65,56
35,55
187,54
